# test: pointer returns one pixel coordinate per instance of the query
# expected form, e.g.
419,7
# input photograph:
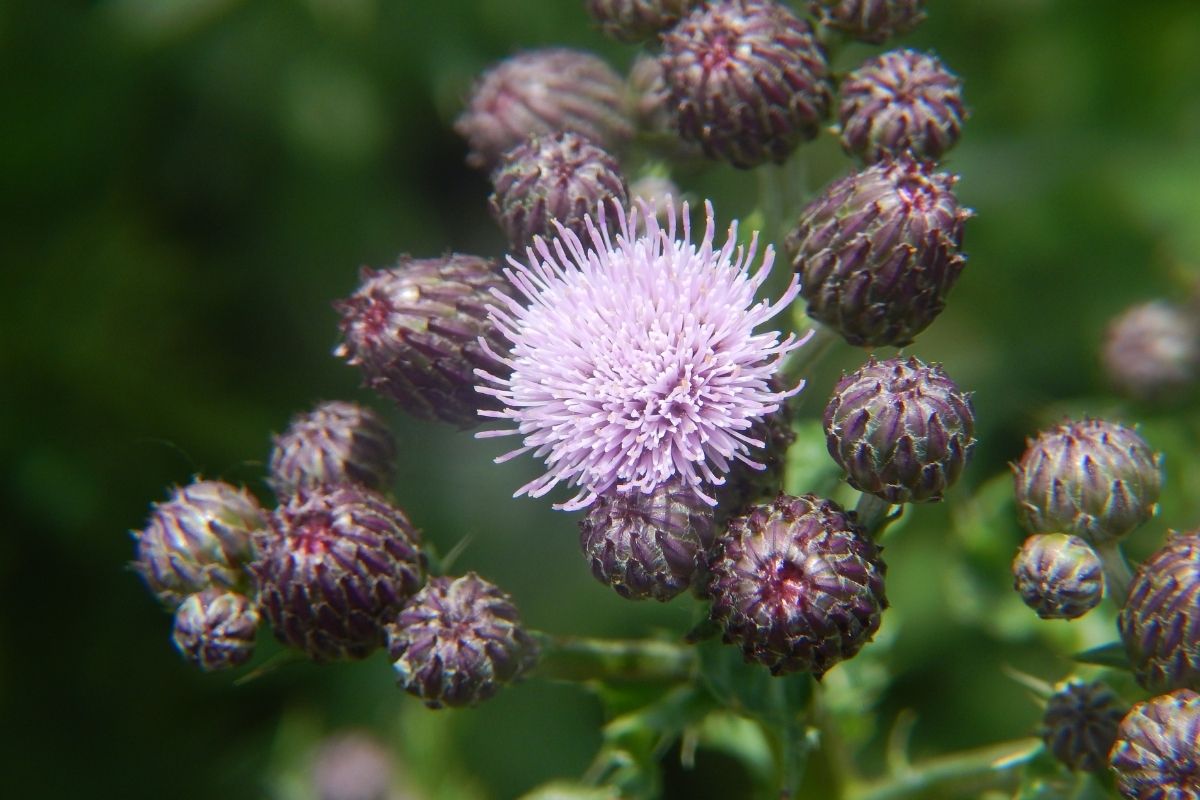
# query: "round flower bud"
1080,724
201,537
336,442
1095,479
1160,621
215,629
1058,575
560,178
336,565
797,585
748,80
901,101
872,21
902,430
746,484
636,20
540,92
457,641
1152,352
1157,753
879,250
648,545
414,332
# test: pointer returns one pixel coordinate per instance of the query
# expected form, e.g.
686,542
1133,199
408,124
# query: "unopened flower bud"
1160,621
648,544
336,565
561,178
748,80
636,20
871,21
414,332
879,250
542,92
901,101
201,537
336,442
1152,352
458,641
797,584
902,430
1058,575
651,105
1157,753
1080,724
215,629
1095,479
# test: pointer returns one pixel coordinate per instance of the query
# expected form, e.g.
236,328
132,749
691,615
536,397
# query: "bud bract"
636,20
336,442
871,21
1080,724
215,629
1152,352
1157,753
1058,575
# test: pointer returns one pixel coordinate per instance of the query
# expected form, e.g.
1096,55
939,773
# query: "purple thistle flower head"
634,357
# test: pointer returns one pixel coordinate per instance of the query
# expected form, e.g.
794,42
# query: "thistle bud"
560,178
650,102
215,629
901,101
542,92
879,251
648,545
414,332
748,80
797,584
636,20
1058,575
902,430
1157,753
199,538
1095,479
336,442
1152,352
1160,621
336,564
871,21
746,484
1080,724
458,641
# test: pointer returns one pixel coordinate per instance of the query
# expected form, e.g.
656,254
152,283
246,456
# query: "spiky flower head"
1152,351
901,101
415,330
215,629
634,359
1157,753
1080,724
648,545
871,21
336,564
336,442
557,178
748,80
458,641
1098,480
636,20
541,92
1160,620
199,538
879,250
902,430
797,584
1058,575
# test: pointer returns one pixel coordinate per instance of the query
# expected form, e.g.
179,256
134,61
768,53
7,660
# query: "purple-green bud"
414,332
215,629
902,430
1152,352
336,442
797,584
458,641
1058,575
746,485
879,250
541,92
561,178
1160,621
1157,753
748,80
201,537
1080,724
636,20
871,21
901,101
336,565
648,545
1095,479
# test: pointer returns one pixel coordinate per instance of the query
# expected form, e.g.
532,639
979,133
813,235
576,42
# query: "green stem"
1117,573
972,770
569,658
872,513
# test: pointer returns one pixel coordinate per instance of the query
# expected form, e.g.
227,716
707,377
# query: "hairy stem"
972,770
872,513
569,658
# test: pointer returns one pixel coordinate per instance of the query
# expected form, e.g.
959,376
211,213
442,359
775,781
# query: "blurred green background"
188,184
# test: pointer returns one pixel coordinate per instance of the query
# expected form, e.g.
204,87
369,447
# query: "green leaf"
1107,655
751,689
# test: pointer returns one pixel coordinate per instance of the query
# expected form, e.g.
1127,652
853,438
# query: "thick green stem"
872,513
973,770
1117,573
569,658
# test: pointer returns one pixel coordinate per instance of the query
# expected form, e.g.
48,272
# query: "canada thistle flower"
634,358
